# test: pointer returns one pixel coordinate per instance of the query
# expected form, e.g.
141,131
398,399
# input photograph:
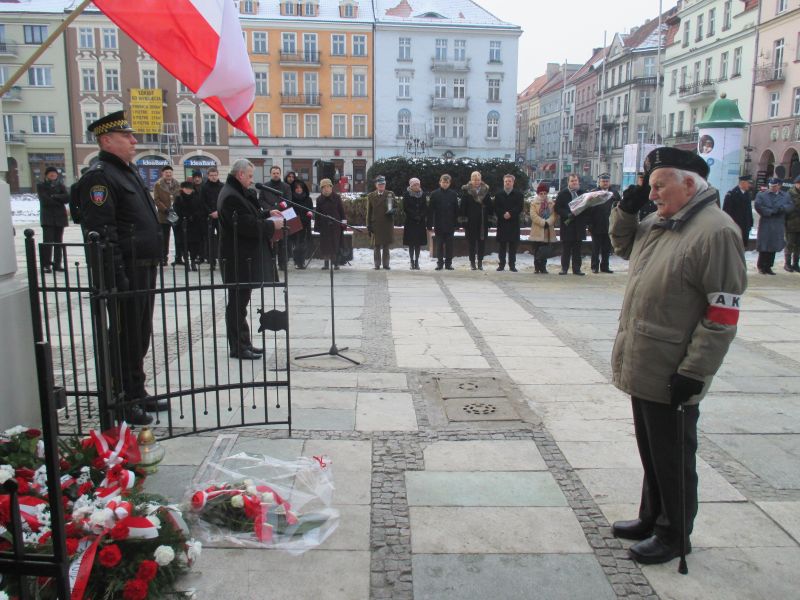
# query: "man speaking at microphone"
274,194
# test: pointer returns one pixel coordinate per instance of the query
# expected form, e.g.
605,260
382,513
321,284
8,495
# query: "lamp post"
416,147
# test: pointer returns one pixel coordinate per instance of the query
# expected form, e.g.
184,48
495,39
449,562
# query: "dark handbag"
546,251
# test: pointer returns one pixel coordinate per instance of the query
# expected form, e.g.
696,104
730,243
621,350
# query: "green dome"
723,113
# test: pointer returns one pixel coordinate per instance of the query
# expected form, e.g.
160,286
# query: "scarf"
414,194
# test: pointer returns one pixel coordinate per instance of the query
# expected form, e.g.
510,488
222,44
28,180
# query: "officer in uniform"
116,204
598,224
739,205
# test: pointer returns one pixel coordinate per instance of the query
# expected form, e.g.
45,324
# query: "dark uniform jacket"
116,203
443,211
416,210
508,230
773,209
274,198
380,216
598,216
476,206
53,197
738,205
573,228
244,240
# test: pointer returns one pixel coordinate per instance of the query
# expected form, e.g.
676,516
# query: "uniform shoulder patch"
98,194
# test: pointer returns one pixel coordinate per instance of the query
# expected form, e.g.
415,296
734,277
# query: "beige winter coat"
164,194
687,275
540,233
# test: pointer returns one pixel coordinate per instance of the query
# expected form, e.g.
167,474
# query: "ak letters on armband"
723,308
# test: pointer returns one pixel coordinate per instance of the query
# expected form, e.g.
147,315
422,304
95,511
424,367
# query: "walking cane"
682,568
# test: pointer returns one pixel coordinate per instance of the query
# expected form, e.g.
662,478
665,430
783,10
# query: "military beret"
774,181
604,176
745,178
111,122
673,158
380,179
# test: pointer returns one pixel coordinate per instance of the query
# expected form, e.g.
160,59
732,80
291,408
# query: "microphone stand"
333,350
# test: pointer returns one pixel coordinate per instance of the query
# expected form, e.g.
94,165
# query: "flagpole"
602,97
45,45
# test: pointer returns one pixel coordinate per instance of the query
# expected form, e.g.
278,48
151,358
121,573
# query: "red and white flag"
200,43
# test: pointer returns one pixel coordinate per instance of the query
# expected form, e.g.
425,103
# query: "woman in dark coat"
330,204
291,179
476,205
194,217
303,207
415,207
53,198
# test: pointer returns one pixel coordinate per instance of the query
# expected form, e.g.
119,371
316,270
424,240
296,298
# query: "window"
686,33
777,58
404,48
259,42
684,76
360,126
404,123
337,44
359,45
149,79
774,104
494,52
782,6
339,86
310,9
707,75
626,105
110,38
712,21
441,49
35,34
493,125
183,88
650,66
403,86
696,73
85,37
88,80
673,82
494,90
262,124
43,124
459,88
671,125
289,83
311,87
290,126
340,126
288,8
698,36
248,7
349,10
89,116
439,127
726,15
311,126
359,84
458,127
644,101
440,88
187,128
680,123
262,83
737,62
288,43
310,53
460,50
40,76
210,129
723,66
796,102
112,80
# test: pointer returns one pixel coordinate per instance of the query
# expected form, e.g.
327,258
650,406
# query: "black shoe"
654,551
634,529
326,265
153,405
786,267
450,268
480,265
136,416
595,270
512,268
47,270
579,273
769,271
606,271
501,268
255,350
387,268
59,268
439,268
245,355
563,272
472,266
378,268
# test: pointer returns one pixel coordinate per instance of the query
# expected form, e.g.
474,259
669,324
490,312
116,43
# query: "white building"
445,80
709,51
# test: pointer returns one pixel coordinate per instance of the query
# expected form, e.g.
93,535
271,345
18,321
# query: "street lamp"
415,147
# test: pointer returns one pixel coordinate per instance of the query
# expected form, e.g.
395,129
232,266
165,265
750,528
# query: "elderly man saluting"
679,315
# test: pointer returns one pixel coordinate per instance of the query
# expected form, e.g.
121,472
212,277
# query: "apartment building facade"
585,129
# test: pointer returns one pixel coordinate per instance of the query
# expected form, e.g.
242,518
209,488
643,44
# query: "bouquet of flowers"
122,543
587,200
266,502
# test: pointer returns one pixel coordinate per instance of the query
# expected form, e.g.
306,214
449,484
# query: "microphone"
261,186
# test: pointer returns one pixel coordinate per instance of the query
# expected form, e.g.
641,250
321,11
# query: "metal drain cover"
484,387
480,409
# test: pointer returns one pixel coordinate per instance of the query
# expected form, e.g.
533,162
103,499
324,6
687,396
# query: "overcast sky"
558,30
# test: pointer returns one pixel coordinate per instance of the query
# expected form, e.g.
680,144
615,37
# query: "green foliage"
399,170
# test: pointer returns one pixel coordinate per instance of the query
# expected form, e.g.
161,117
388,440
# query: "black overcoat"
330,232
573,228
443,211
415,208
739,206
53,197
513,203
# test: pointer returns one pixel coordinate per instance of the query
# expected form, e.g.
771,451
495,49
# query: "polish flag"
200,43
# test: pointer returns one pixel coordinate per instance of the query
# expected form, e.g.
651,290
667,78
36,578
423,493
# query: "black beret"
673,158
197,173
112,122
50,170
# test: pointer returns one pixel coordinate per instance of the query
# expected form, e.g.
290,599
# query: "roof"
596,59
436,12
530,91
557,81
750,5
647,35
35,6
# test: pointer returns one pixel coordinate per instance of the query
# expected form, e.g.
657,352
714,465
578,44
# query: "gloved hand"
634,198
682,388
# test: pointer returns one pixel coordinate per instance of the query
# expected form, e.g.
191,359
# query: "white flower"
40,477
251,490
237,501
164,555
16,430
101,518
193,550
247,482
84,476
268,498
3,596
6,473
40,449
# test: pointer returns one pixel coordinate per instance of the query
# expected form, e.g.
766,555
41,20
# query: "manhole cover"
480,409
488,387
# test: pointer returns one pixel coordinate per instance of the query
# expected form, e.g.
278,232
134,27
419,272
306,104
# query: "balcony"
769,74
300,100
684,137
452,66
580,152
607,121
15,137
13,95
449,103
307,59
8,48
698,91
449,142
581,128
633,82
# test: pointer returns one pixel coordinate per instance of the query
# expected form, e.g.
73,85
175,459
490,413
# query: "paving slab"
601,455
737,525
774,457
385,411
487,488
570,392
495,530
352,533
751,413
785,514
332,399
509,576
190,450
484,455
345,455
172,482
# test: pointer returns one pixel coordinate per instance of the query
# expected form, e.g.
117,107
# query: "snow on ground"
24,208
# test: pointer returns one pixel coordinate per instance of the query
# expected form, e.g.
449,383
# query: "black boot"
472,265
787,262
416,264
796,262
480,265
325,265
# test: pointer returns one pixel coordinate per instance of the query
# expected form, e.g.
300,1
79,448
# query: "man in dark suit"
739,205
573,227
598,225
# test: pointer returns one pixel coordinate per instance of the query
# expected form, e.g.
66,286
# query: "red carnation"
135,589
72,545
64,465
23,487
45,537
120,531
33,433
98,463
147,570
85,488
110,556
24,473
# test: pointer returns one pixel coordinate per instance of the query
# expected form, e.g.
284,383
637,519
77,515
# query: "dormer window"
248,7
311,8
348,9
288,8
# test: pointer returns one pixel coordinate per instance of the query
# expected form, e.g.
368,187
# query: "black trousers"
656,429
540,250
134,326
511,247
300,242
166,228
571,250
601,251
212,241
236,318
477,247
444,249
766,260
52,255
180,242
